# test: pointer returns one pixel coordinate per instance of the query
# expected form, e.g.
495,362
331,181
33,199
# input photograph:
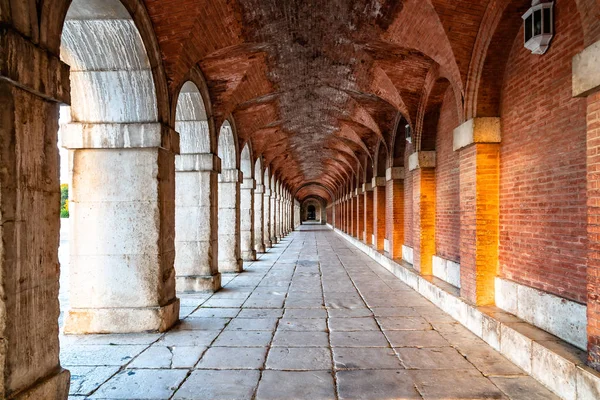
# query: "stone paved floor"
314,318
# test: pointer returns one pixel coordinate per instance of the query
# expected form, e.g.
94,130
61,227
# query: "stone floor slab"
218,385
244,339
314,385
285,338
298,358
141,384
376,385
233,358
365,358
455,384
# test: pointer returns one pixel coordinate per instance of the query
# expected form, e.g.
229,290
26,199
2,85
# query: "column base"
231,266
260,248
274,241
249,255
122,320
198,283
53,387
268,244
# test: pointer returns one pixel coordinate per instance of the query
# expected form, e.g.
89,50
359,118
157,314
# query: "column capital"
421,159
77,135
267,192
260,188
378,181
394,173
198,162
586,71
477,130
358,191
231,175
367,187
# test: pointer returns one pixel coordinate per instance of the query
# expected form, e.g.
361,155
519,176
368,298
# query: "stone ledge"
394,173
554,363
477,130
561,317
378,181
586,71
446,270
421,159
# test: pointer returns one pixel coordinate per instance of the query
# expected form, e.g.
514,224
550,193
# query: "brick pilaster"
378,212
422,165
394,188
368,213
359,217
477,143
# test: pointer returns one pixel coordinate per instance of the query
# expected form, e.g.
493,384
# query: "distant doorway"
311,213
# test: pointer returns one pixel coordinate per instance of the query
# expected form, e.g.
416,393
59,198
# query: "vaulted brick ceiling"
312,84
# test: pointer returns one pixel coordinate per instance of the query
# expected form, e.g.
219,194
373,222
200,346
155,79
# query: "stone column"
359,215
229,221
477,143
368,213
33,82
422,165
274,237
394,188
586,83
121,271
196,222
280,216
247,220
267,217
259,227
378,184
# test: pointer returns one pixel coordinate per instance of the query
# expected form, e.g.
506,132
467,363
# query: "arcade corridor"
314,318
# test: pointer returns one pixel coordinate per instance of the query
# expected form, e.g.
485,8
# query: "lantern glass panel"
529,28
537,22
547,21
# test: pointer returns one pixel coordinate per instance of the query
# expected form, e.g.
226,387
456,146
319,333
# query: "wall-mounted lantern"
539,26
408,133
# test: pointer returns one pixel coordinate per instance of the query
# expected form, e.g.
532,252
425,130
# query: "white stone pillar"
196,222
122,203
247,219
267,217
259,245
229,221
274,237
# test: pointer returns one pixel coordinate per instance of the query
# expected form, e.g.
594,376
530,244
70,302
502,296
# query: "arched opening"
229,202
117,267
247,205
196,172
379,197
259,199
312,213
267,209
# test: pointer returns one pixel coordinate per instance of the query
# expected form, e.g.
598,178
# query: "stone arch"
246,161
248,186
191,121
117,144
381,160
320,212
398,145
431,115
227,147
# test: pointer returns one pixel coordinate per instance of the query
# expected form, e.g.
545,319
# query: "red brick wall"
593,157
543,165
408,200
447,213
